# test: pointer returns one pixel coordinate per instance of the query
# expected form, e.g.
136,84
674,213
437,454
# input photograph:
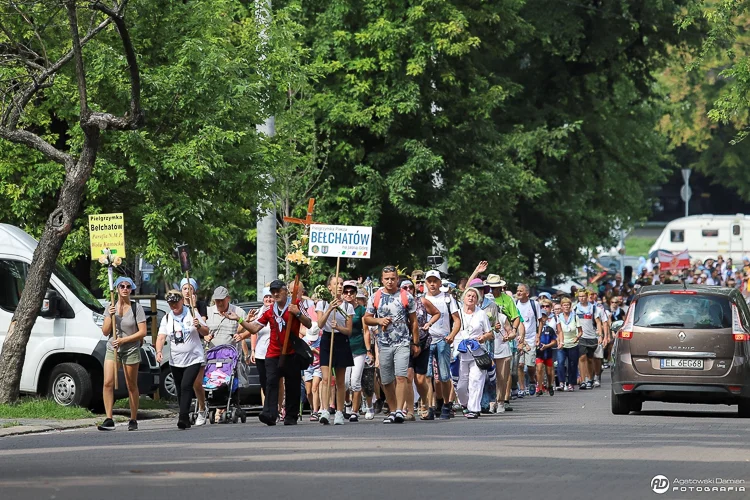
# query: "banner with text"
351,242
673,261
107,231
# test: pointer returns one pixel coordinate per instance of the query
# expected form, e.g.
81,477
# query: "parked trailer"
707,236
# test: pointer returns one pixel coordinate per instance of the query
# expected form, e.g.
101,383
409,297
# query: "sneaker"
582,387
182,424
527,393
354,418
290,421
540,392
551,391
390,419
507,406
107,425
589,385
493,407
201,418
430,414
398,417
464,410
133,425
560,387
338,419
605,366
445,414
532,390
521,394
514,394
348,407
500,408
472,415
325,417
597,383
314,417
570,387
377,406
370,414
457,406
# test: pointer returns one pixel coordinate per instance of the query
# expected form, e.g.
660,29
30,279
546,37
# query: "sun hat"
494,281
125,279
220,293
480,294
192,281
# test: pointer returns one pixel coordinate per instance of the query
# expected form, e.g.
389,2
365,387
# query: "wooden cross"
307,221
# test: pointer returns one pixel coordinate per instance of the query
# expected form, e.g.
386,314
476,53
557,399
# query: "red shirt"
276,340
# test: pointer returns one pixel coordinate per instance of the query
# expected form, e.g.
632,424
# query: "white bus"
707,236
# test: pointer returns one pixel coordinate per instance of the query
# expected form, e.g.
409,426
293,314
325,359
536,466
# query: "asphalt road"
566,446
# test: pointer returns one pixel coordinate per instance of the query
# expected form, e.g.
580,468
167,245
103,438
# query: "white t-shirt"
473,325
447,306
530,319
185,346
264,338
502,348
340,318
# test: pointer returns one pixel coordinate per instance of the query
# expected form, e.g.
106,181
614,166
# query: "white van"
707,236
65,353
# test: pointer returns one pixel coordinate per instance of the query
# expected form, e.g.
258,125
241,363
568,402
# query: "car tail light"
626,332
738,332
735,388
683,292
628,387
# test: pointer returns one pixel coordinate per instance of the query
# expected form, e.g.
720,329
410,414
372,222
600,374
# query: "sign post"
107,240
685,192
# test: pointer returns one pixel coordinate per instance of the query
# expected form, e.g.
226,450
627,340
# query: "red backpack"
404,300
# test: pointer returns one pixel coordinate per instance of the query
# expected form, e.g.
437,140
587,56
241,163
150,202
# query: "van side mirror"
616,326
50,305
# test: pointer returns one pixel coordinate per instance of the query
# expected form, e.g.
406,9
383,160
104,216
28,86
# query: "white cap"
432,274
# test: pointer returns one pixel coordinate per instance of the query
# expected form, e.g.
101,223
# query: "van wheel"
70,385
167,388
620,404
743,408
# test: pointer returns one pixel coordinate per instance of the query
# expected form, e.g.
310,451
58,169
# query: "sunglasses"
172,298
389,269
546,307
350,292
124,287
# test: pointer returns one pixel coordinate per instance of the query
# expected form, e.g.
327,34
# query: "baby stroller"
221,383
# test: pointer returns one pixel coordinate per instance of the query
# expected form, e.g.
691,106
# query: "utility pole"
267,260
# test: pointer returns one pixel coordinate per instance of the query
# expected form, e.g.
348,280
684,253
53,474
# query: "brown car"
683,344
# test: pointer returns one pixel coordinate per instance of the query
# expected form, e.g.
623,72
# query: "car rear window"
683,311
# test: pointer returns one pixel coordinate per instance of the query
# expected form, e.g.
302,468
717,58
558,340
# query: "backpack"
404,300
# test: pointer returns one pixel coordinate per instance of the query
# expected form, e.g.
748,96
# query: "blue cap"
545,295
125,279
192,282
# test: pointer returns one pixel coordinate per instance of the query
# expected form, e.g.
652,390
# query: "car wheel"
620,404
70,385
743,408
167,387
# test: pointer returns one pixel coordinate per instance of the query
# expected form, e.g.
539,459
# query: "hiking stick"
114,321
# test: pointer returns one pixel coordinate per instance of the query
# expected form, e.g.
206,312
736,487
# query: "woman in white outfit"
475,329
259,343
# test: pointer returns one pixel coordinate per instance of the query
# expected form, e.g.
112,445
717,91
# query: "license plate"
681,364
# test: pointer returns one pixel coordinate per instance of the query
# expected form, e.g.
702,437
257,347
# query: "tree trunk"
55,232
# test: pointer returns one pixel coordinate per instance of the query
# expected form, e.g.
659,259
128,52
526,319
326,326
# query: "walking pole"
114,320
330,352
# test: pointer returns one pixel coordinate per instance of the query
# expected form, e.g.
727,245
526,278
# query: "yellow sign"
107,231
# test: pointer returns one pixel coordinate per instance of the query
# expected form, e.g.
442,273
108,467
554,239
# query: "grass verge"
637,246
44,409
6,425
145,403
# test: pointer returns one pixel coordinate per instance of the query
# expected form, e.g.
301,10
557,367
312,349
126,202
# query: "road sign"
685,193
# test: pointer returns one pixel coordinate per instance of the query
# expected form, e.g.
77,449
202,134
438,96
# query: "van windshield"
80,291
683,311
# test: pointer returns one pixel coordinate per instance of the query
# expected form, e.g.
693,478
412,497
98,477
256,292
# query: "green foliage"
44,409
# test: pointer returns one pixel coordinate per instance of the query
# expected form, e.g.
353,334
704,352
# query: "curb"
62,425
